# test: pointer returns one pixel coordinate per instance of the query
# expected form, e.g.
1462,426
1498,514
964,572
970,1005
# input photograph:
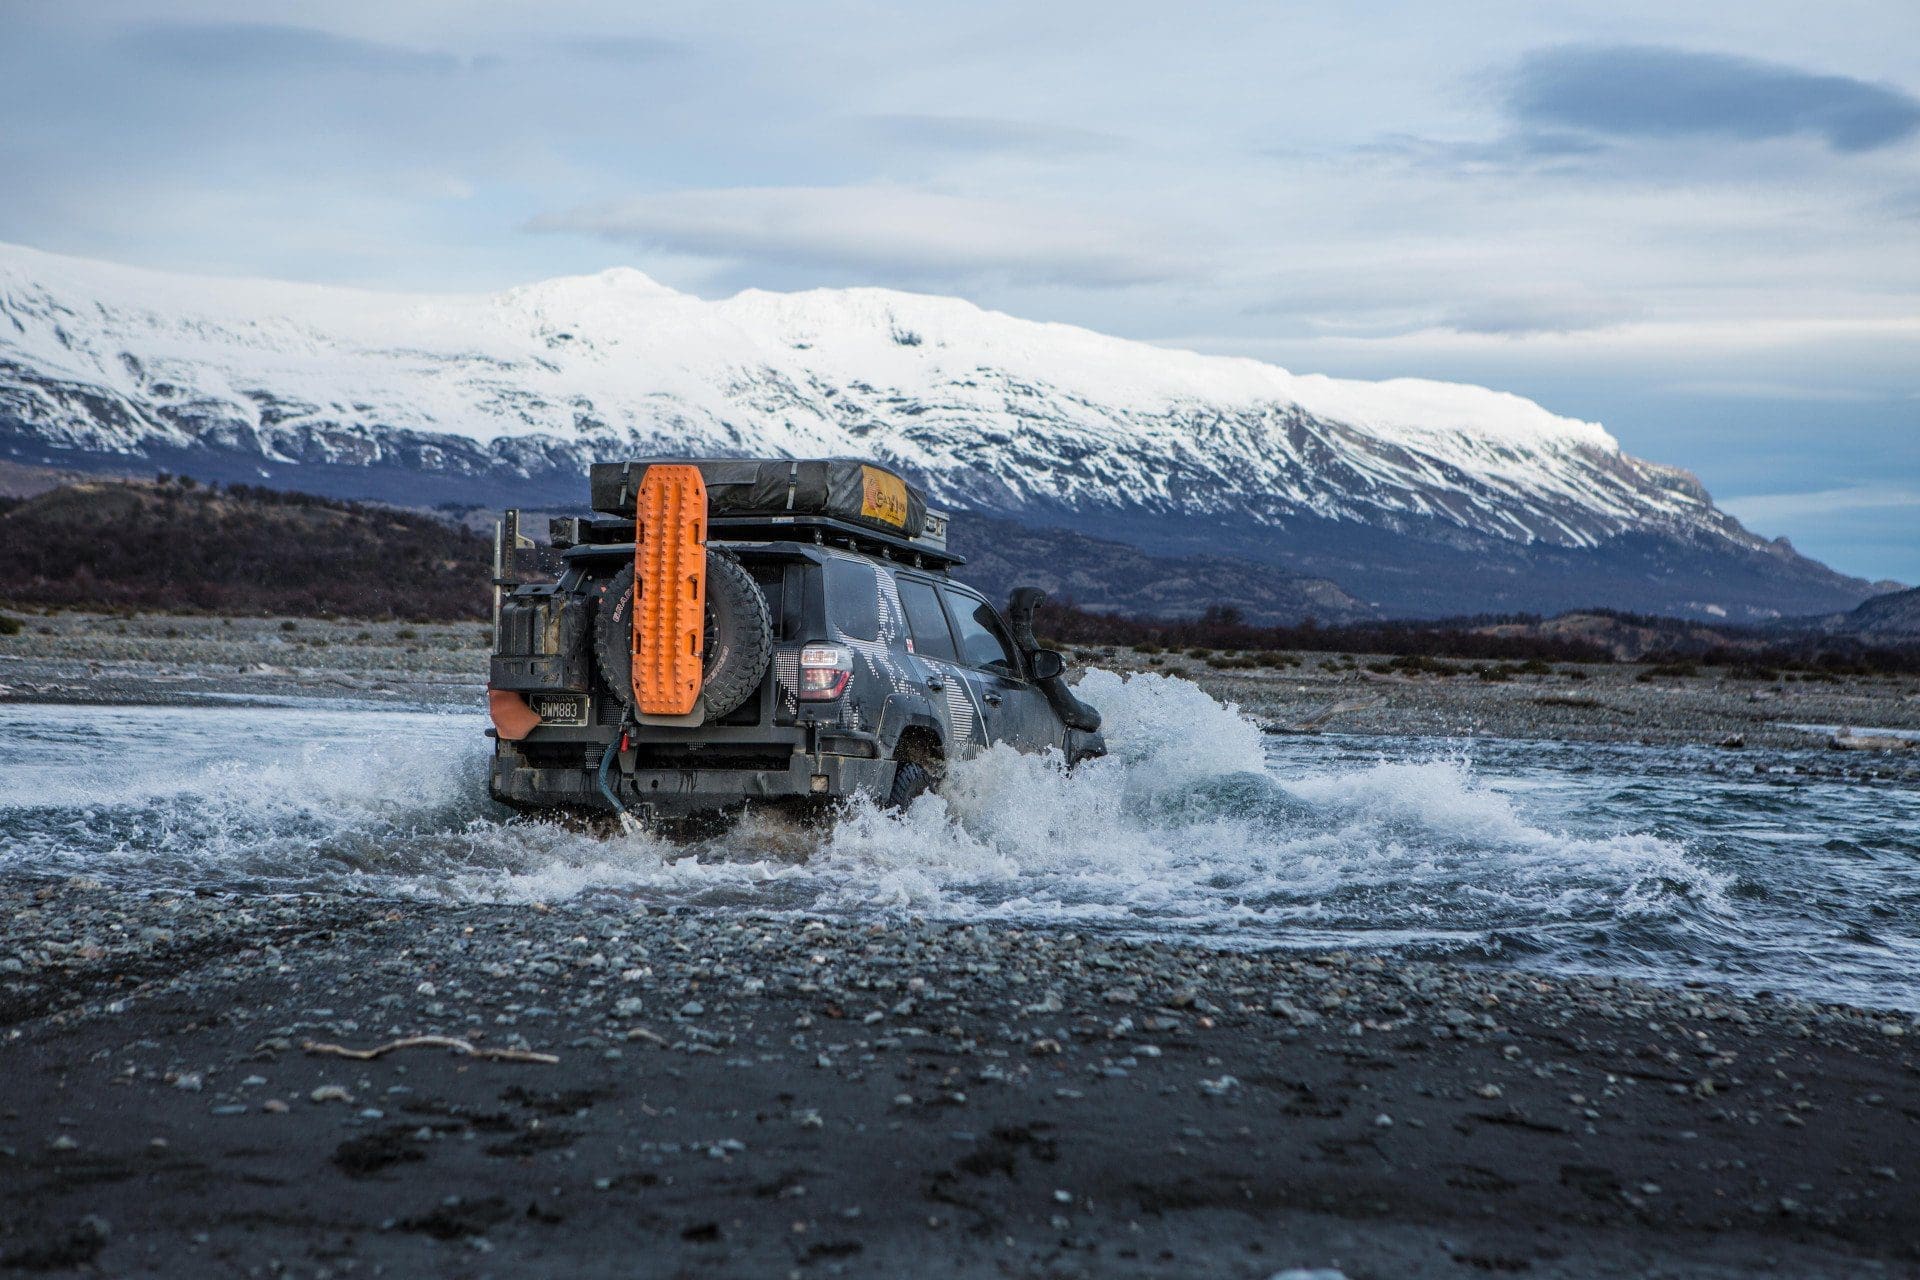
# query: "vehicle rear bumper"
680,793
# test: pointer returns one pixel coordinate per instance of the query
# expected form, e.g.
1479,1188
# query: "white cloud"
878,230
1762,389
1778,508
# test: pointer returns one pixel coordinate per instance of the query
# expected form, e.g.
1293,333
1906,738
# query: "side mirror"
1046,664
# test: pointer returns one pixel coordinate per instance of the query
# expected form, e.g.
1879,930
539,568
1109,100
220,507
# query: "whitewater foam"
1194,825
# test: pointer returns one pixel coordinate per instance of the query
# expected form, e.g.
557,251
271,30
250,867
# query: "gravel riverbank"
742,1094
73,657
739,1095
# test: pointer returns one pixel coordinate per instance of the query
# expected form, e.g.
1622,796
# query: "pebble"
331,1093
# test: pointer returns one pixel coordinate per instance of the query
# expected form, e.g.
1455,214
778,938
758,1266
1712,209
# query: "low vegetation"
1495,648
180,546
1223,629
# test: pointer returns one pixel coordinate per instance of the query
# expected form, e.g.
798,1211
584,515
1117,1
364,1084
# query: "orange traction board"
670,590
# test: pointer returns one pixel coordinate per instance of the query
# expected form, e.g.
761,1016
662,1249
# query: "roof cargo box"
844,489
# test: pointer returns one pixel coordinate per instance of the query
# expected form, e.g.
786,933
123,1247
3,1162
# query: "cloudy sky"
1698,223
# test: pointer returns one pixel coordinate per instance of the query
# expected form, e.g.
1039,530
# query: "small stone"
331,1093
1489,1091
1293,1013
1383,1121
228,1109
63,1143
274,1107
191,1081
692,1009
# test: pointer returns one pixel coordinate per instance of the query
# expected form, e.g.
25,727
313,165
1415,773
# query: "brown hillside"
173,545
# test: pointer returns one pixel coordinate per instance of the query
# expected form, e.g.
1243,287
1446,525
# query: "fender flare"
915,720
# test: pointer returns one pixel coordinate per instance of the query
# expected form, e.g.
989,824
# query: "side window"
928,621
983,641
853,598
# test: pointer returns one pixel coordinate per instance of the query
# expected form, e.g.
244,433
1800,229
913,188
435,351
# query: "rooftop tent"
844,489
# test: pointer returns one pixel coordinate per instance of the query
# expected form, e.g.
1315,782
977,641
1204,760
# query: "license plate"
568,710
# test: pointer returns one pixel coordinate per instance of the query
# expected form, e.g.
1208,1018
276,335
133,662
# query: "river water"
1662,863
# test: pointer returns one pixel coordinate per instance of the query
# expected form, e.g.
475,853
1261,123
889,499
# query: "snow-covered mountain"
1380,486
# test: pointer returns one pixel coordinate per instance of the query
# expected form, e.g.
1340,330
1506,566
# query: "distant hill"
175,545
1115,577
1895,614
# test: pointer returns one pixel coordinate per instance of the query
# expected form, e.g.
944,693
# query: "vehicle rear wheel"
738,644
911,780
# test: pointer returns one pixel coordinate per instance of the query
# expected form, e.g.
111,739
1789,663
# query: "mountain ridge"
368,394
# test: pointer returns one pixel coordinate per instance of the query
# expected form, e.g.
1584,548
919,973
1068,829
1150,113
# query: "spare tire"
738,644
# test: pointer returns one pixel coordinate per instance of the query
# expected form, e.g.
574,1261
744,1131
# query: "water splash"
1194,825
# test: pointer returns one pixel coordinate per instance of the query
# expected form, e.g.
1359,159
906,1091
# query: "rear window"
853,598
927,620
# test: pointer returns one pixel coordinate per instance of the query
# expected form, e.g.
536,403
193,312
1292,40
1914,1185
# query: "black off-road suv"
836,656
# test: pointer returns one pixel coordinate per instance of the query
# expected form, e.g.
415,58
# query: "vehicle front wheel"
911,780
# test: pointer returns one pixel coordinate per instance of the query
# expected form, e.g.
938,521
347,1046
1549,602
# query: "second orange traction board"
670,590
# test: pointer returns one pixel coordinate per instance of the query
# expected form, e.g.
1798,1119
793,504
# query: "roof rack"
610,532
798,528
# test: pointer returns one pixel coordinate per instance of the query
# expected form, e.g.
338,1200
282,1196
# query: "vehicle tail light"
824,672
